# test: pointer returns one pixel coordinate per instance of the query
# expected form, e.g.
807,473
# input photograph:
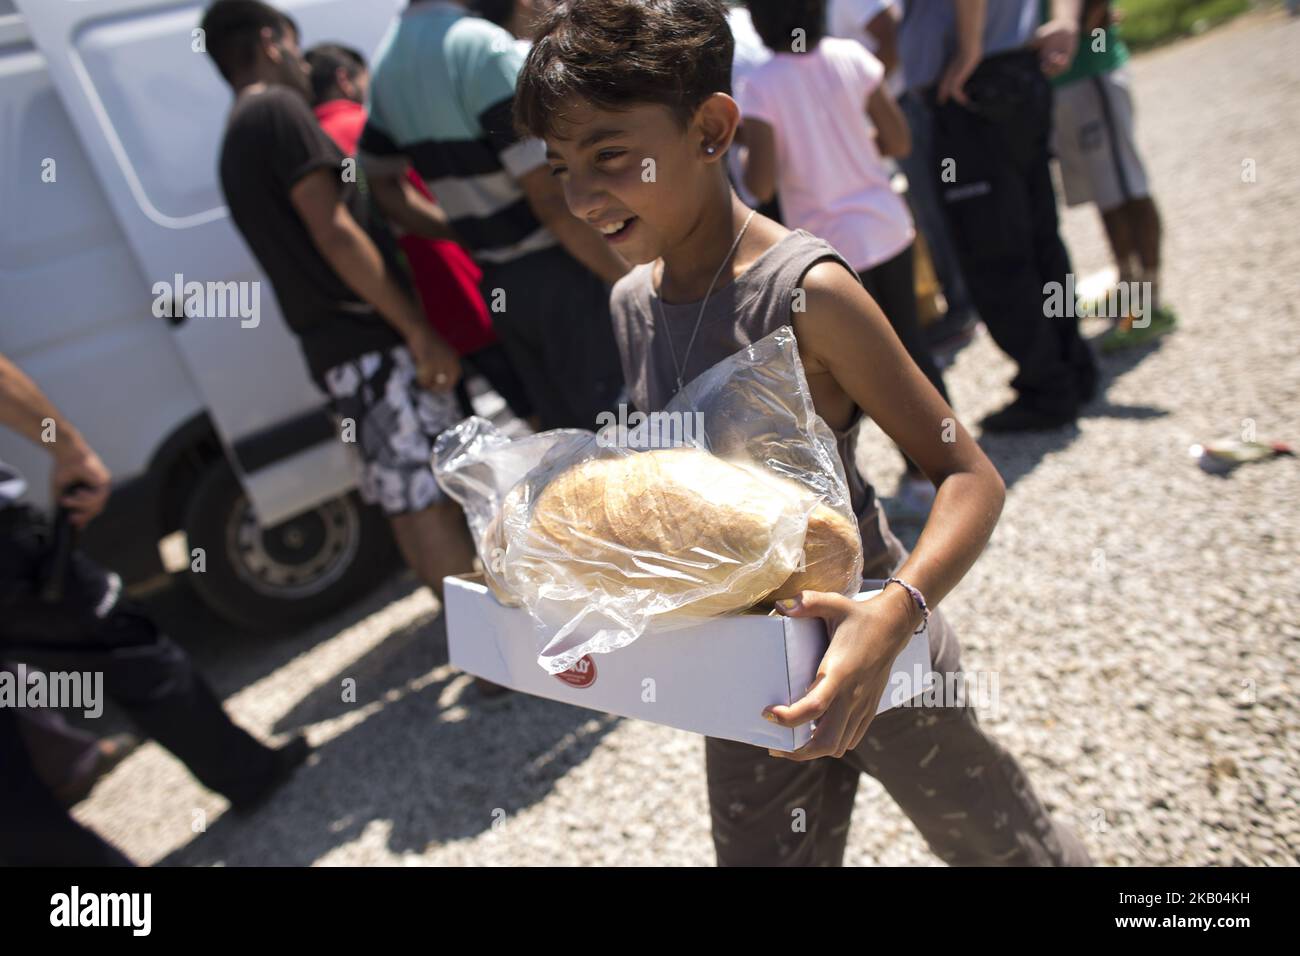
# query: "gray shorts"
394,423
1093,139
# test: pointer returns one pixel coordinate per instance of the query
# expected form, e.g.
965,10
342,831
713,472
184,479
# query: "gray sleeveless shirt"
755,304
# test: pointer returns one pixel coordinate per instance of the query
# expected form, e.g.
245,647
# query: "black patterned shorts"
393,422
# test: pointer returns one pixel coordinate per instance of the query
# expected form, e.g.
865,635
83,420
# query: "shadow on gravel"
229,657
428,761
1017,455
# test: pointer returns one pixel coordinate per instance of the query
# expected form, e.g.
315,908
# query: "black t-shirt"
272,141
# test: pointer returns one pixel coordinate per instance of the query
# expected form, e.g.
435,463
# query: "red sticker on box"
581,674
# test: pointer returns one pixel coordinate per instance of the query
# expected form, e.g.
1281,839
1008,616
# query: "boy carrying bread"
633,100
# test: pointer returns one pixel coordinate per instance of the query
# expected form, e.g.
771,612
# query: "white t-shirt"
849,19
750,55
831,178
750,52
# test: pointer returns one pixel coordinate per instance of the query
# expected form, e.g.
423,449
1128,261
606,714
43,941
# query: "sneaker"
284,761
1021,416
1125,335
914,500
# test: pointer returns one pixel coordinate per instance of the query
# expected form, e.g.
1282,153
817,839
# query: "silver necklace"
680,369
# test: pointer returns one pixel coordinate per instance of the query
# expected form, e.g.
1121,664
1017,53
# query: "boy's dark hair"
325,60
498,11
232,31
776,20
615,54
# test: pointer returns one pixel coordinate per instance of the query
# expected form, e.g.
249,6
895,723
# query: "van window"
164,105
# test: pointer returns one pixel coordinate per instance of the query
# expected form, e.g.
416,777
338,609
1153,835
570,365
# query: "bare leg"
1135,234
435,543
1123,242
1145,219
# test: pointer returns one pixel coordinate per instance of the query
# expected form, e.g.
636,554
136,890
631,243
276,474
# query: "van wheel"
287,576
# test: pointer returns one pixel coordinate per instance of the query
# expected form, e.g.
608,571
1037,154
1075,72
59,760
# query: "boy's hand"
75,463
437,367
866,638
1057,41
952,84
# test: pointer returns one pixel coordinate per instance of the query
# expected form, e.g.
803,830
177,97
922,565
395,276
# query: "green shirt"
1089,61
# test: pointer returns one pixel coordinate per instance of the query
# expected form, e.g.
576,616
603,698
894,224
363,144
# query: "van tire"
285,577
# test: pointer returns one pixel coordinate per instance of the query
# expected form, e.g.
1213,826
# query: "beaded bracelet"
917,598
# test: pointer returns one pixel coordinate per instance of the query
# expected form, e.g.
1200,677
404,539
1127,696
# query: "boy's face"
636,175
355,87
287,62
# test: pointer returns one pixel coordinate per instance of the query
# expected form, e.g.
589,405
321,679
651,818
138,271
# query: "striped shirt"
441,98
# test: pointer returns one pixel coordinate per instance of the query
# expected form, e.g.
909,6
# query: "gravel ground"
1138,613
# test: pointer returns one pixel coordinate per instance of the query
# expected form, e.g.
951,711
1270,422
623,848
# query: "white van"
111,117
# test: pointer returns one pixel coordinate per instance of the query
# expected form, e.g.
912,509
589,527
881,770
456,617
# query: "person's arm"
546,198
759,140
970,50
1097,15
353,255
386,166
884,28
404,205
1057,40
893,135
842,331
760,166
26,409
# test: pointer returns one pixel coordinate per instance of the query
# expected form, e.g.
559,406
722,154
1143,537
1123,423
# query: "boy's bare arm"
584,243
405,206
24,407
1057,40
969,15
28,411
759,141
352,254
893,135
843,331
1097,15
885,29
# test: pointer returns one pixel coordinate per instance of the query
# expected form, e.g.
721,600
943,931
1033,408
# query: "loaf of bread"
678,530
702,535
832,548
832,557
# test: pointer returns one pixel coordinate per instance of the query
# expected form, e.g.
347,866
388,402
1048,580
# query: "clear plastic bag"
733,495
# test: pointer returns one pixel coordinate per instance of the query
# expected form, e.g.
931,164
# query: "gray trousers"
965,793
